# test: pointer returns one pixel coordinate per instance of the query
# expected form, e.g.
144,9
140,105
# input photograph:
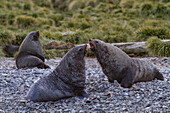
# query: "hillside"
76,21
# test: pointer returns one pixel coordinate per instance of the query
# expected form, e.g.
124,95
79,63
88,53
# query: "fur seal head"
31,44
94,44
98,47
67,80
77,53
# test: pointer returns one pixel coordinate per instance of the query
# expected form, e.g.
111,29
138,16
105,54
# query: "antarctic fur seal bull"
67,80
31,52
117,65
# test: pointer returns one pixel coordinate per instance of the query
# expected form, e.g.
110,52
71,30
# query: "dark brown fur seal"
67,80
31,52
10,50
117,65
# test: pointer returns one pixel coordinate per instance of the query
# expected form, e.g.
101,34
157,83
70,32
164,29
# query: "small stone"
148,104
126,94
164,107
103,96
23,101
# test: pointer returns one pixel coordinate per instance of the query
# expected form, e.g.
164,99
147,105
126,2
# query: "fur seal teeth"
91,43
87,47
92,46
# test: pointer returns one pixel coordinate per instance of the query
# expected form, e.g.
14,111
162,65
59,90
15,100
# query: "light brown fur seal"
117,65
31,52
67,80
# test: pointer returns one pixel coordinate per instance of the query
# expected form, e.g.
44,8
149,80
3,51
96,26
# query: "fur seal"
58,45
117,65
65,46
31,52
67,80
10,50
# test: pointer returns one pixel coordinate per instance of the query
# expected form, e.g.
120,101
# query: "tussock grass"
157,47
53,53
144,33
108,20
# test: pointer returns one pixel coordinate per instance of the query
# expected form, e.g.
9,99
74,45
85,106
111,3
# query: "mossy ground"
76,21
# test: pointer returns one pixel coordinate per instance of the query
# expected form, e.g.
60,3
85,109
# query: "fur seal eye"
34,37
97,42
80,49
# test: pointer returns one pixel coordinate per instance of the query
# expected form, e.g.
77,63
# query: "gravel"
103,97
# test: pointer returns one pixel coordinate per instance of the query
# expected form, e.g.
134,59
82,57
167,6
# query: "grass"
157,47
53,53
114,21
1,52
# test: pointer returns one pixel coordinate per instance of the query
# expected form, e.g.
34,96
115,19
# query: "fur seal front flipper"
117,65
31,52
128,78
67,80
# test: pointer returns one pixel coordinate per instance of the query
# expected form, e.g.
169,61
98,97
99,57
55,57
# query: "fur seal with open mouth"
117,65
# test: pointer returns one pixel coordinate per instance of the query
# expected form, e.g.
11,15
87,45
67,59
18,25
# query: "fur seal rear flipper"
31,52
67,80
117,65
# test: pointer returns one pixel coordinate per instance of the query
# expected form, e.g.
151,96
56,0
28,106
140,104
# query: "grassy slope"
108,20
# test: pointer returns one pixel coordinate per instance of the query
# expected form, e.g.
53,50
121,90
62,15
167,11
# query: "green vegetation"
144,33
1,52
157,47
76,21
53,53
6,37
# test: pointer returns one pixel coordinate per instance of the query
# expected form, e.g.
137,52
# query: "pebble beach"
104,97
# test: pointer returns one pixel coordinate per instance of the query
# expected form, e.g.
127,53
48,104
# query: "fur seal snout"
31,52
117,65
67,80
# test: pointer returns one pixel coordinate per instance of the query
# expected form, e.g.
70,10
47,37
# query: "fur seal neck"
31,44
